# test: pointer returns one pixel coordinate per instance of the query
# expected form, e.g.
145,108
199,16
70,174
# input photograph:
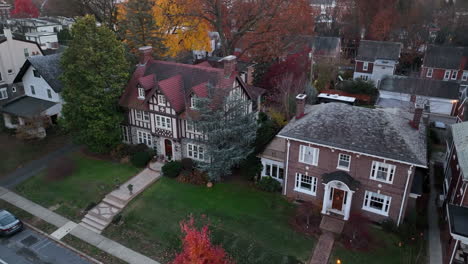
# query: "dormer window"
193,102
161,99
141,93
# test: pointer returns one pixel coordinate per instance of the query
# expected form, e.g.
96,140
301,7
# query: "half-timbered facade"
161,97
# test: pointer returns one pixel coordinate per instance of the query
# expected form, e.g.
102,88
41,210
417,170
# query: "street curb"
81,254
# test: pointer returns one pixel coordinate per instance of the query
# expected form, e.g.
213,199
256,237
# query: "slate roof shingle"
376,132
443,57
420,86
370,50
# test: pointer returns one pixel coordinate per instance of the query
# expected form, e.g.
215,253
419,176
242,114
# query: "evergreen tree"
138,27
95,72
229,130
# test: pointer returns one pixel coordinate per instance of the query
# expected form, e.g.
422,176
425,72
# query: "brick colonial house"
446,64
376,60
161,95
347,159
455,192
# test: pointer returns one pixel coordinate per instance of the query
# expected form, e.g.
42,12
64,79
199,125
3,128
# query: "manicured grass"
385,251
91,181
19,152
251,225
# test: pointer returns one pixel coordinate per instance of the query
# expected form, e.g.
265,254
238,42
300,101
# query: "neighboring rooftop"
422,87
373,50
48,67
275,150
26,106
444,57
378,132
460,140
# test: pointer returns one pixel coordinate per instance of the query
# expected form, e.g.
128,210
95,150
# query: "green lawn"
91,181
385,251
251,225
20,152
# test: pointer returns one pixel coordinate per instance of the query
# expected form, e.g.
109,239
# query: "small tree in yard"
229,129
286,88
197,247
94,74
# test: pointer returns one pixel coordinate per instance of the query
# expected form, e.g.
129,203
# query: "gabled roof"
26,106
48,67
374,50
422,87
376,132
460,140
176,81
444,57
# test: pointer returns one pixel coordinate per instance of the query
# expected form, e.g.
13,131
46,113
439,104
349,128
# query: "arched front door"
168,148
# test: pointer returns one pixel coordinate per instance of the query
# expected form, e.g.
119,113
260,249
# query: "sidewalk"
434,247
109,246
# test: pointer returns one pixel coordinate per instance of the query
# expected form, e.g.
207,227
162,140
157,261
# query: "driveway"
30,247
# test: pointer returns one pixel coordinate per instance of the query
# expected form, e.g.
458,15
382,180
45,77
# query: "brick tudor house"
347,159
160,98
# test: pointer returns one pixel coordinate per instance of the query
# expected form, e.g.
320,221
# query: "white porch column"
326,199
349,199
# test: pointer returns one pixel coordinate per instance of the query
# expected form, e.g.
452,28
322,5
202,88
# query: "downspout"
404,195
454,250
287,168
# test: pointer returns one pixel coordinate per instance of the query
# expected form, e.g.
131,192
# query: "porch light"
338,261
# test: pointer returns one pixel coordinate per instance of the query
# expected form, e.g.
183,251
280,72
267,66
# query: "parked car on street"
9,224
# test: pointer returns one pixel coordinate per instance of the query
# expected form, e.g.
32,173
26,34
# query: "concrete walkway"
330,226
109,246
32,168
101,216
434,247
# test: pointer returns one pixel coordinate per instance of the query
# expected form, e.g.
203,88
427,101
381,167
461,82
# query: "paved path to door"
330,227
107,245
32,168
435,247
101,216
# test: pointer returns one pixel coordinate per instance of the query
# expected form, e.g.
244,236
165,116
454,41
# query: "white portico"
338,195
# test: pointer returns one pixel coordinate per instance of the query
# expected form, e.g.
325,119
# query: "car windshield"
7,219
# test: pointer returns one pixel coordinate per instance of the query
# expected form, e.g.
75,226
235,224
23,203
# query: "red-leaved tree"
197,247
24,9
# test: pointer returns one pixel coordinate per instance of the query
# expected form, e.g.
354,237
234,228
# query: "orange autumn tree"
197,247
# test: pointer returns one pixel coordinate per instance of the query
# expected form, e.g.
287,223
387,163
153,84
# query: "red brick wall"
360,66
360,170
438,74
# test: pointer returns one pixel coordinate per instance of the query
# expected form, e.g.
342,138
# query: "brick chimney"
413,98
418,112
146,54
229,63
250,75
300,105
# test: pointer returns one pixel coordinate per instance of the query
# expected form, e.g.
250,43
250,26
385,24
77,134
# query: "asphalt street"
30,247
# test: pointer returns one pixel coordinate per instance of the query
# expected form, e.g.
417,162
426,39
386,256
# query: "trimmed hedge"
268,184
140,159
172,169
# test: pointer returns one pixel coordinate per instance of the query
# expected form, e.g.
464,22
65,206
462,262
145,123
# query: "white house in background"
437,97
39,79
47,40
13,54
215,43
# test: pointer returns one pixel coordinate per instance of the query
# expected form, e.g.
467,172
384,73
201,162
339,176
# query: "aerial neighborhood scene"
233,131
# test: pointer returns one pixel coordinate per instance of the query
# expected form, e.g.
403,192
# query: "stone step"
114,203
116,198
90,228
93,224
98,219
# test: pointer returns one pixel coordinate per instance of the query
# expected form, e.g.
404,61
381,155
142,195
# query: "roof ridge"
213,69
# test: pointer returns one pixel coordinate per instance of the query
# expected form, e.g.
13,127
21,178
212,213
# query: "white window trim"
125,134
271,163
447,72
163,122
191,127
141,93
368,195
430,72
315,155
365,66
454,75
142,116
195,150
161,100
465,76
298,180
148,137
3,94
193,102
13,89
390,173
338,164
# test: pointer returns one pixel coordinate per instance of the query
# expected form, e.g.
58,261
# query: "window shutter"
391,172
301,154
316,156
374,169
297,179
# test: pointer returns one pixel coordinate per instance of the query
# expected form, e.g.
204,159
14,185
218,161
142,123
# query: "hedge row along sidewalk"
97,240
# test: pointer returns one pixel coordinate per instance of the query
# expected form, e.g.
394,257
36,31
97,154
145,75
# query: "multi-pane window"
161,99
454,75
344,161
49,93
382,172
465,76
273,170
163,122
141,93
447,75
306,184
196,152
125,134
145,138
365,67
3,94
193,102
142,116
364,77
308,155
191,127
377,203
33,90
430,71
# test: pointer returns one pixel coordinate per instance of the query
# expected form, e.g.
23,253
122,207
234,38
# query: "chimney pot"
300,105
229,64
146,54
